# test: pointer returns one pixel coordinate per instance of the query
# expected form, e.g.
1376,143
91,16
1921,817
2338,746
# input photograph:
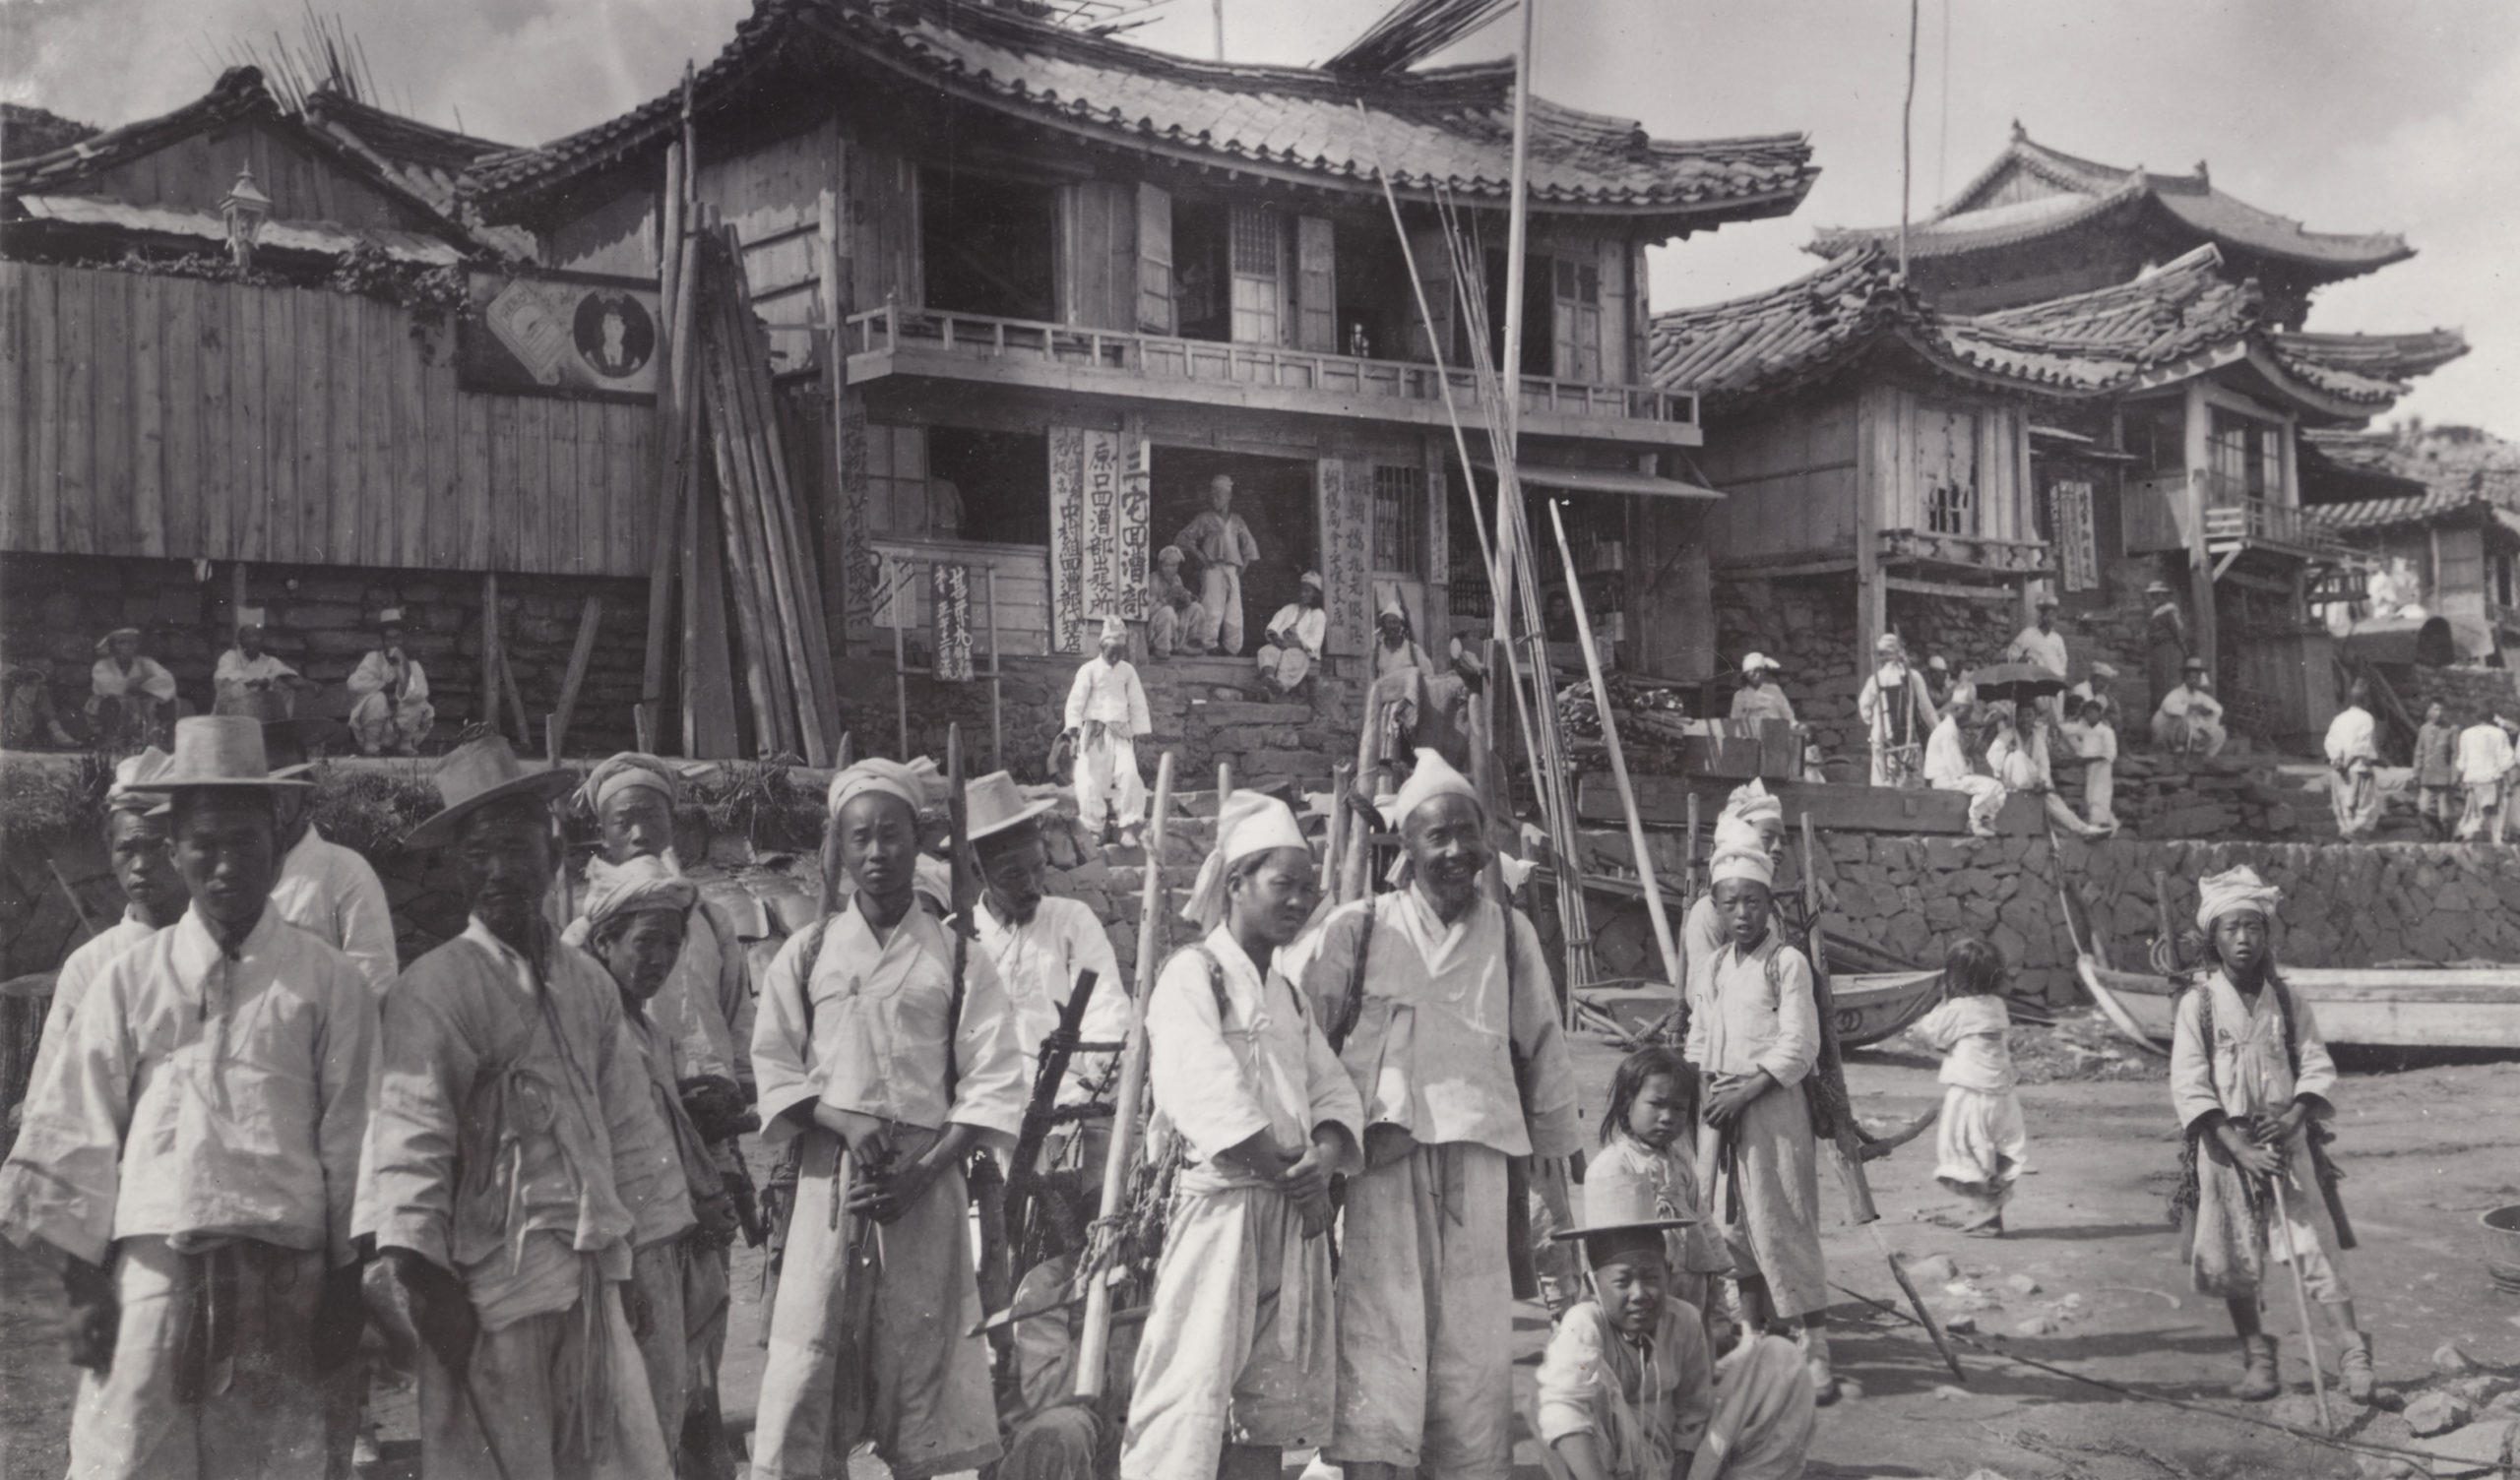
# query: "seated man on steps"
1291,642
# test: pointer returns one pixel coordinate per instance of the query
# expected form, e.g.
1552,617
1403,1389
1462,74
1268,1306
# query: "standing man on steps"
1223,545
1105,714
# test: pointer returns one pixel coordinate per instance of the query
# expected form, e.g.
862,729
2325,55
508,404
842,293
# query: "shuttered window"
1257,251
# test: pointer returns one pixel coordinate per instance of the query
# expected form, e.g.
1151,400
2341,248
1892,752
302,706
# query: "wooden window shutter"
1316,286
1155,261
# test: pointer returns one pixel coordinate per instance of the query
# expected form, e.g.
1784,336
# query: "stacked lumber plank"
770,581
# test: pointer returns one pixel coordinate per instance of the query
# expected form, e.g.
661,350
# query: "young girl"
1979,1144
1645,1173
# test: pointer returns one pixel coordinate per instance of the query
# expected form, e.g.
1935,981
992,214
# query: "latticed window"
1255,247
1400,520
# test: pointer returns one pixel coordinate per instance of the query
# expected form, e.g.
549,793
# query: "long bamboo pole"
1518,236
1093,1344
662,553
1636,839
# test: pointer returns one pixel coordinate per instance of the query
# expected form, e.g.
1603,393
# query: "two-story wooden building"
1065,281
1928,468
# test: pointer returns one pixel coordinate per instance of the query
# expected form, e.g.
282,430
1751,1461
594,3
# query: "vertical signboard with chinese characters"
1345,494
2077,546
1100,508
951,594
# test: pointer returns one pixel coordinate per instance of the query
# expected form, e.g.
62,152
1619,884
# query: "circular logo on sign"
614,333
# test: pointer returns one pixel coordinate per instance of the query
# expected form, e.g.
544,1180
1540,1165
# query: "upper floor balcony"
2236,519
895,340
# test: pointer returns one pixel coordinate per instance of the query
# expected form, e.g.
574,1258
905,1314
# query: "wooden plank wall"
1022,591
1789,474
1897,415
174,418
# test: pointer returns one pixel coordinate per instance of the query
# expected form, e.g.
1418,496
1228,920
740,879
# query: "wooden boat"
1875,1007
2381,1007
1870,1008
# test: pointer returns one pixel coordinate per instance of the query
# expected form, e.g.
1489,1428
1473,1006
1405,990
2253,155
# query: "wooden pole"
901,674
1517,240
590,619
1846,1137
1636,839
489,710
1092,1346
1335,845
668,421
996,684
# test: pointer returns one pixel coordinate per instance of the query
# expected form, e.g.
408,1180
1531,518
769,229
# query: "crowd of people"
251,1137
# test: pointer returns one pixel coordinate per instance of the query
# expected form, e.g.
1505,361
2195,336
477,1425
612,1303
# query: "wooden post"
901,674
589,618
2199,428
488,713
1636,839
1092,1346
996,683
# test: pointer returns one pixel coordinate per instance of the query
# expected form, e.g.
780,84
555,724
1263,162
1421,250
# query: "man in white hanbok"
1105,714
390,709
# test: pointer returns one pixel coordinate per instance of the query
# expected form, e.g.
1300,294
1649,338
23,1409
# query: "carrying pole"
1636,839
1093,1343
2302,1302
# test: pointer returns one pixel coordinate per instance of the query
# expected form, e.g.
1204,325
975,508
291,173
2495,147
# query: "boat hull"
1873,1008
2379,1008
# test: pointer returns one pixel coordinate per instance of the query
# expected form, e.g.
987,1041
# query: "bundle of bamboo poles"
771,580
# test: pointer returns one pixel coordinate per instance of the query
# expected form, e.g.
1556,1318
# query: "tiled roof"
30,131
2410,509
1447,128
2093,344
2085,190
2389,356
428,162
237,96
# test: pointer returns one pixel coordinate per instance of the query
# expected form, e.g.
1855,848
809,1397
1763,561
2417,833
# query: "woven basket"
2500,1229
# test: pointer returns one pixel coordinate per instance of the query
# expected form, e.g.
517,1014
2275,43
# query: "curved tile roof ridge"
1433,130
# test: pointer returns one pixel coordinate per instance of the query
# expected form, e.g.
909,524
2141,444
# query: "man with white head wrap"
1948,766
1760,697
705,1008
2250,1079
1753,822
867,1046
1754,1032
1105,714
636,918
1238,1361
1172,609
1438,999
1291,644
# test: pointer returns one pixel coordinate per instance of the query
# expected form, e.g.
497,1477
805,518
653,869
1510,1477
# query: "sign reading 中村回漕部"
560,334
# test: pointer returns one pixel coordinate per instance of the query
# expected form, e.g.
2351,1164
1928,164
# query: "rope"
2346,1446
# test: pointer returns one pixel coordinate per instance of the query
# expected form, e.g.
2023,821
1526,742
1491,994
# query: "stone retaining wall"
320,620
2345,906
2467,694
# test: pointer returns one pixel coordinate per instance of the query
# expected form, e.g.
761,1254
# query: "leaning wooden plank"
589,620
709,716
742,562
670,424
755,447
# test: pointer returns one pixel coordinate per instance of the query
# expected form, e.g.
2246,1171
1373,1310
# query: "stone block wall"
2467,694
320,620
1807,623
1196,713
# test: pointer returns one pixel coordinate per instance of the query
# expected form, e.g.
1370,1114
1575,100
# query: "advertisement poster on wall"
560,333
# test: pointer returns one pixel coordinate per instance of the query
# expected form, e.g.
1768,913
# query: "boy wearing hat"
1041,942
1238,1362
1629,1390
131,698
891,1073
2486,763
1105,714
324,887
1221,541
1754,1033
248,680
1760,697
390,709
188,1159
1291,641
636,917
1172,613
152,892
2189,721
1437,1000
2100,687
1898,711
2252,1082
515,1162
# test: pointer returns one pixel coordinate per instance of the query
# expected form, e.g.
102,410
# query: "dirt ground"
2424,1150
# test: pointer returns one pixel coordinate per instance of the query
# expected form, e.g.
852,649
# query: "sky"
2350,115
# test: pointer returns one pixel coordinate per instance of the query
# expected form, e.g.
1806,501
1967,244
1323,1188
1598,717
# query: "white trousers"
1108,779
1220,610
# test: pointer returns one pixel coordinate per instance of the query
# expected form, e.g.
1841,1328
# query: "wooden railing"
894,328
2154,509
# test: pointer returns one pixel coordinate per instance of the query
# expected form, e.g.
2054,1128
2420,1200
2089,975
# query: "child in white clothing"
1979,1144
